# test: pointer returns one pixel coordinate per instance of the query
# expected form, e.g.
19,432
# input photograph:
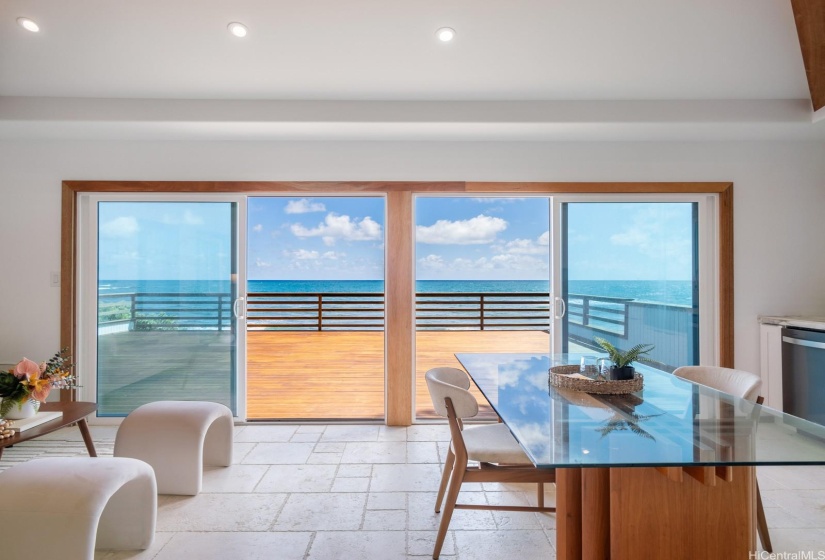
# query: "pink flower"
42,367
27,368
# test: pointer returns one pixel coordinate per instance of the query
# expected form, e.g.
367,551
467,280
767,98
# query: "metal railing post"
220,312
320,311
481,311
585,311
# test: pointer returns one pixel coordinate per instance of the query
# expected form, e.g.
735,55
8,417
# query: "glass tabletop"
670,422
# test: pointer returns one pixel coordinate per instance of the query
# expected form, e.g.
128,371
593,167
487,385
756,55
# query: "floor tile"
218,512
405,478
322,512
279,454
310,437
236,478
428,432
385,520
242,546
378,545
297,478
354,470
351,484
333,447
375,452
387,500
311,428
422,452
350,432
392,433
259,434
503,545
422,517
422,543
324,458
160,541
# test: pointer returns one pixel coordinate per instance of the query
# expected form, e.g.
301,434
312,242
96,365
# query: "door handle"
800,342
563,307
238,308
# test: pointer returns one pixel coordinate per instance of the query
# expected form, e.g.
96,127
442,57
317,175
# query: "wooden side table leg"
87,437
568,514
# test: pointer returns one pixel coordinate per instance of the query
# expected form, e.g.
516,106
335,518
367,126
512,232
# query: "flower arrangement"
28,380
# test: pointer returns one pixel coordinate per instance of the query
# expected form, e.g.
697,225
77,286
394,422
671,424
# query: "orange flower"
40,389
27,368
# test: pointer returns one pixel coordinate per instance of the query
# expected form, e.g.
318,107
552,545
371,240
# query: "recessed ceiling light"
237,29
445,34
28,24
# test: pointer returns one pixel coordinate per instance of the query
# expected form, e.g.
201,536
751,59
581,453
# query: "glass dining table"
648,474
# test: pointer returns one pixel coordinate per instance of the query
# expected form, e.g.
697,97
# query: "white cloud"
262,263
303,255
332,255
336,227
433,262
124,226
475,231
544,239
258,228
304,206
521,247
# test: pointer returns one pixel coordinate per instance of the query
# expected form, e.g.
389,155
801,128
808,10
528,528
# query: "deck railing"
357,311
622,321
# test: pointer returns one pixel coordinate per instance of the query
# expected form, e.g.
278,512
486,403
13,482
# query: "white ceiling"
597,51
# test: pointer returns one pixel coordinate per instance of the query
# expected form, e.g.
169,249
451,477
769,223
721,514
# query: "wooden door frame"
399,286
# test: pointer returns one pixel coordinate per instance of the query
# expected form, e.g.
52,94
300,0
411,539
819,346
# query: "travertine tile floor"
367,491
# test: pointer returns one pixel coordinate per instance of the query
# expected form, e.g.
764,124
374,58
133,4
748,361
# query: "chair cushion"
493,443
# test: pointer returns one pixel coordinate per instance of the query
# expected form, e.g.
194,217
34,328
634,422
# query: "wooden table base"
641,513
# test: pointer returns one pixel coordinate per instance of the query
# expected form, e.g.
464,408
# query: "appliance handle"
800,342
563,307
238,308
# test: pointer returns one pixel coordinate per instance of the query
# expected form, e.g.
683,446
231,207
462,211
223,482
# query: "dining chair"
742,384
492,446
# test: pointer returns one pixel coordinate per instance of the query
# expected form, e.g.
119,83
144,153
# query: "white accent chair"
65,507
742,384
499,455
177,438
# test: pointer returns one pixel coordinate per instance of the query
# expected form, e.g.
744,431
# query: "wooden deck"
328,375
290,375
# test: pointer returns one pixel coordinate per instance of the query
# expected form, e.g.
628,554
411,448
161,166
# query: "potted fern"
622,369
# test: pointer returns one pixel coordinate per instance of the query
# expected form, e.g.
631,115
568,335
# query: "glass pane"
630,276
165,294
315,342
482,269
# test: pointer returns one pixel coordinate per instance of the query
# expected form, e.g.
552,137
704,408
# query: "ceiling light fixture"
237,29
445,34
28,24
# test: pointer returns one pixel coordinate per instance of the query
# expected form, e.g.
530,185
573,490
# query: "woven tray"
560,377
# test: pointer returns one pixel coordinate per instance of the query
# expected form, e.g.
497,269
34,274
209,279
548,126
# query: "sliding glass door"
167,295
635,271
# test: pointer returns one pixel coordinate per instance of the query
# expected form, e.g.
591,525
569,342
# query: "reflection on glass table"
671,422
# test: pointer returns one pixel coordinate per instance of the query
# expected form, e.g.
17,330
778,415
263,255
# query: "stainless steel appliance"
803,373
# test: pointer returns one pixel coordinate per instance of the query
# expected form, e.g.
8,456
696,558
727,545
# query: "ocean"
674,292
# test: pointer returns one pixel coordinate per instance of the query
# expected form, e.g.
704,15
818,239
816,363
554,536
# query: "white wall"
779,196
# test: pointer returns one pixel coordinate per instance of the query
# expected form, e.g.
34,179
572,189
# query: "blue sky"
457,238
318,238
164,240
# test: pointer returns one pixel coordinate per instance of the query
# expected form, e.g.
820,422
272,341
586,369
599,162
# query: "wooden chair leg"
540,494
445,477
452,497
762,522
